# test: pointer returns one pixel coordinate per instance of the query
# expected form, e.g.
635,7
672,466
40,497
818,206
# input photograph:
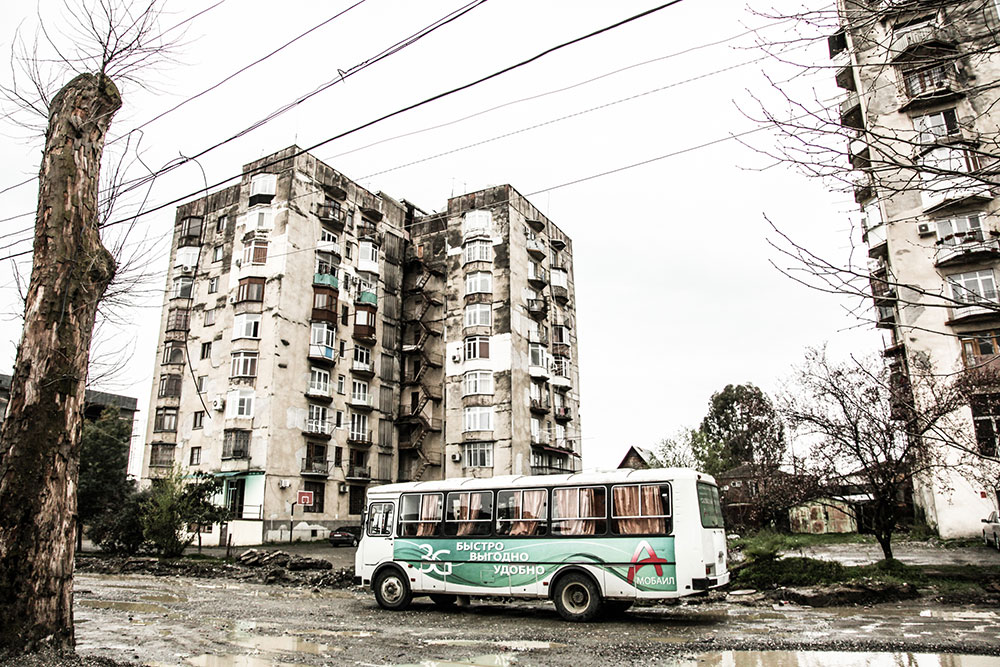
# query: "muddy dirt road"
182,621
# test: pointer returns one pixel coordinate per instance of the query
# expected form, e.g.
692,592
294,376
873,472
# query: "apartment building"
319,337
921,111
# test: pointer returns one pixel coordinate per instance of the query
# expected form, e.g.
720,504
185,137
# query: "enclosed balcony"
366,297
359,438
537,276
536,248
885,316
538,336
361,402
315,467
850,111
322,353
985,307
966,248
318,427
538,308
333,215
358,472
929,86
327,279
362,368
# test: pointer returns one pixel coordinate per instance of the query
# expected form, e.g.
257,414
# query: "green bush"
120,530
771,572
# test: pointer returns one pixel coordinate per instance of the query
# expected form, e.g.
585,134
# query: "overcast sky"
675,293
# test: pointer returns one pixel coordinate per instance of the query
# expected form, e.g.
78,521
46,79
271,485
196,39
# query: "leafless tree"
874,431
110,40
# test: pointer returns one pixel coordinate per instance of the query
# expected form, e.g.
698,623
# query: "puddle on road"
283,643
518,645
478,661
138,607
235,661
959,615
162,597
337,633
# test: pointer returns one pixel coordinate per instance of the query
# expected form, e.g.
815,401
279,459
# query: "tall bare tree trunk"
40,437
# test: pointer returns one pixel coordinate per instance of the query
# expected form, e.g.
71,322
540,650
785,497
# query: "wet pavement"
216,623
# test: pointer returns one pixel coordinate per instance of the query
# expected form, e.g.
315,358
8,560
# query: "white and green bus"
588,541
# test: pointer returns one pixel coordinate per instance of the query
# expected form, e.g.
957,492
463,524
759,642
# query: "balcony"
850,111
563,413
538,336
538,371
929,86
359,439
317,467
560,375
560,294
331,247
366,297
320,391
327,279
864,187
557,242
537,225
885,316
540,405
943,191
904,42
366,231
963,249
540,439
536,248
235,452
537,276
318,427
538,308
331,215
358,472
363,402
364,332
322,353
983,307
363,368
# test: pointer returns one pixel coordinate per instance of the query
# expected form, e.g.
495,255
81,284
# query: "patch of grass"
767,539
771,573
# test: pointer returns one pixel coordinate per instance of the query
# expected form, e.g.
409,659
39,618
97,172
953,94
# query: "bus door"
378,542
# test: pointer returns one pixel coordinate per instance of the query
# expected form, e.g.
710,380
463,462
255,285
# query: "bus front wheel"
577,598
392,591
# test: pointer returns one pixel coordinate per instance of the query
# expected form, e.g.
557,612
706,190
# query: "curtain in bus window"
471,509
625,503
532,511
652,504
430,514
579,511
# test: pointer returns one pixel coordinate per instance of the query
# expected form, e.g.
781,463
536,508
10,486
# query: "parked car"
345,536
991,530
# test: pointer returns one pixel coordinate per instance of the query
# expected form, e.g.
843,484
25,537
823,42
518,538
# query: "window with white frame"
359,426
478,251
259,218
246,325
220,224
319,381
561,435
477,347
327,235
239,403
364,317
217,253
560,365
973,286
244,364
936,126
359,392
368,251
478,315
213,285
363,356
318,419
560,334
325,263
478,418
341,381
960,229
255,253
209,317
477,222
945,161
479,282
324,334
477,382
202,384
536,430
478,454
173,352
537,355
183,287
263,184
560,278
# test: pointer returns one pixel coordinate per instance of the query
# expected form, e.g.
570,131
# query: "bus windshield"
708,503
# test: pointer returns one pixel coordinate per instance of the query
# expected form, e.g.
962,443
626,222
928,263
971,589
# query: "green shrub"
771,572
120,530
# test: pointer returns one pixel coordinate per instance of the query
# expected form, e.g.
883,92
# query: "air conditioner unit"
924,229
456,358
239,262
342,488
219,403
283,484
456,457
232,298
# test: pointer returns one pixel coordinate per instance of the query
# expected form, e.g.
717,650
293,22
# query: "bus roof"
586,477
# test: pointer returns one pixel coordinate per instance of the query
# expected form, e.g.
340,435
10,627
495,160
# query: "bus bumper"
709,582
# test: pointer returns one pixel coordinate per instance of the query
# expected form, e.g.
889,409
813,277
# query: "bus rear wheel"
392,591
577,598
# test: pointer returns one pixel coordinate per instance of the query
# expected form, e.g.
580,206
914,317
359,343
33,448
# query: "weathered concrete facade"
316,336
919,76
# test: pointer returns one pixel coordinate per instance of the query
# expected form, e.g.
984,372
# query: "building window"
161,455
240,403
324,334
476,223
213,285
986,418
973,287
202,383
338,422
364,317
165,420
318,419
359,427
348,250
206,350
560,334
263,185
479,282
341,380
936,126
195,456
478,251
325,263
478,315
255,253
244,365
325,300
560,278
362,356
236,444
182,287
979,348
537,355
927,79
190,230
319,492
477,347
209,317
478,454
560,366
326,235
319,381
220,224
359,392
945,161
478,418
173,352
246,325
178,319
217,253
477,382
170,386
367,251
251,289
199,420
961,229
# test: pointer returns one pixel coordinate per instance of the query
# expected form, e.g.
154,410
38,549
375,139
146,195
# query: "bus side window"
641,509
469,513
522,512
379,519
420,514
579,511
